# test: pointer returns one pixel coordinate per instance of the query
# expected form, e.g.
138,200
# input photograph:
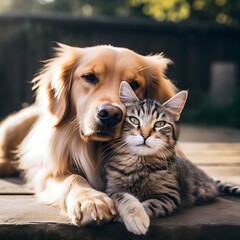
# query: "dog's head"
82,85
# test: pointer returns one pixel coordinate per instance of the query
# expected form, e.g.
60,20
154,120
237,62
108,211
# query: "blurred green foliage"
206,114
220,11
31,41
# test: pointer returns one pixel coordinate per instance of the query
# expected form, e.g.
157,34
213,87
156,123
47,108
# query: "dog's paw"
89,206
136,221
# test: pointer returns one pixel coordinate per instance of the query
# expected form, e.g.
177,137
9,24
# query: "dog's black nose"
109,115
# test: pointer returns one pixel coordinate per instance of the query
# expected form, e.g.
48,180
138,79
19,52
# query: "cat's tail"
227,188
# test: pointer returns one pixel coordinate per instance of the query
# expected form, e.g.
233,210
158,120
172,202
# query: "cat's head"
150,127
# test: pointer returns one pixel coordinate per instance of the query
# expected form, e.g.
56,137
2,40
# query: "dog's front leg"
83,204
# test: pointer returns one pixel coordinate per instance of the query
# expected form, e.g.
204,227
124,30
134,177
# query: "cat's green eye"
134,120
159,124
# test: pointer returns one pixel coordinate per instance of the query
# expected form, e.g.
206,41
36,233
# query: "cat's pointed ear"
126,93
176,104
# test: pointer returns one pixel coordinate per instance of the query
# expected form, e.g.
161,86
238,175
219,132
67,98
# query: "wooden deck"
215,150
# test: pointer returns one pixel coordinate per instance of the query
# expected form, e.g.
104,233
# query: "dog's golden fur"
60,154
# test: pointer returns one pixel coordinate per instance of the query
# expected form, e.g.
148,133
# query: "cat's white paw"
136,221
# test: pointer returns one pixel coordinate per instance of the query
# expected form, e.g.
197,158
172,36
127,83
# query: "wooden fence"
25,40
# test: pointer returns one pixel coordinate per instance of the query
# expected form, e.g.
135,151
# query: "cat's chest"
143,185
139,177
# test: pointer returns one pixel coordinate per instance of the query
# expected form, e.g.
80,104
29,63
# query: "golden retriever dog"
58,140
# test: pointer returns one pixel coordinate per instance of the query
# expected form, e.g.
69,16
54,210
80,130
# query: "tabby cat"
145,177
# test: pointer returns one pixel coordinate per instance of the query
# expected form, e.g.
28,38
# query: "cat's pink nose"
145,136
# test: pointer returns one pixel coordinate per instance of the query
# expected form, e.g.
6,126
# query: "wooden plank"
212,147
27,209
215,160
222,170
224,173
213,153
218,160
13,186
22,210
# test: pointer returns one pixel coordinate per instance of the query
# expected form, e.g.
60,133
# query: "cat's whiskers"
117,148
106,147
104,150
106,161
107,158
164,155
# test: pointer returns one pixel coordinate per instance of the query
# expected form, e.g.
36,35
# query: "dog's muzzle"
109,115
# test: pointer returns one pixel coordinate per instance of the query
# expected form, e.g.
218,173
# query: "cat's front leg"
132,212
156,208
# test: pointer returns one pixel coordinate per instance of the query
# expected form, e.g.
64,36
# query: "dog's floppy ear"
54,81
159,87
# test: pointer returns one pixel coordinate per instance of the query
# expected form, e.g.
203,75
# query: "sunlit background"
220,11
202,37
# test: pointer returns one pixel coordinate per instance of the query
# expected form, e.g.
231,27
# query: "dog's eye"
91,78
134,85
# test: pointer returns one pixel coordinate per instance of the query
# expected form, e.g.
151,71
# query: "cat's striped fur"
145,177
